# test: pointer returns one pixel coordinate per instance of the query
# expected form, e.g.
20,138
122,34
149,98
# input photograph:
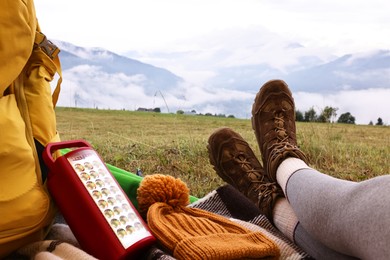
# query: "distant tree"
193,111
310,115
379,122
231,116
179,112
157,110
346,118
327,114
321,118
333,113
370,123
299,116
208,114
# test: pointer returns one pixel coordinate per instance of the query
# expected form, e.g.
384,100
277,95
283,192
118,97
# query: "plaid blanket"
225,201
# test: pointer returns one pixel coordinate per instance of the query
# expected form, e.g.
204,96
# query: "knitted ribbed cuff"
286,169
284,218
227,246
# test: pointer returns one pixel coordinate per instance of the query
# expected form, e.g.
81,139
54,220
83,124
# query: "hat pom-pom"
161,188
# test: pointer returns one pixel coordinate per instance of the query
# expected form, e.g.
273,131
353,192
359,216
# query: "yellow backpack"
28,63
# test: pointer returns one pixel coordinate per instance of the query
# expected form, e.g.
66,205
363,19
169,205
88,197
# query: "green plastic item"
128,181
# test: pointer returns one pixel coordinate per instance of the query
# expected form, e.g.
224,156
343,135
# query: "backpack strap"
52,51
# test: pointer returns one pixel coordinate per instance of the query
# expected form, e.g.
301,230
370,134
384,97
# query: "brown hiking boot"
235,162
273,121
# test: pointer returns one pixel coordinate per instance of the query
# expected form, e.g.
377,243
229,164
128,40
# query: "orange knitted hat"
191,233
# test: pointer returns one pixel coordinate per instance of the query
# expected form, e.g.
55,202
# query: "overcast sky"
121,25
323,27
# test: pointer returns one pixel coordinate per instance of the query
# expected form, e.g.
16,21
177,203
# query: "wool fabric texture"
191,233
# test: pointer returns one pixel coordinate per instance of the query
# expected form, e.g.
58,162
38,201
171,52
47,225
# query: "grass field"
176,144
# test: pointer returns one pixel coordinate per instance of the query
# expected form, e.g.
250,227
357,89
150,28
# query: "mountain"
112,63
308,73
95,77
349,72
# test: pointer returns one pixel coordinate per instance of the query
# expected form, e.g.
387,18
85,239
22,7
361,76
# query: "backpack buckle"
46,45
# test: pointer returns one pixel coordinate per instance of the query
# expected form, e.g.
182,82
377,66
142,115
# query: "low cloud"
90,86
198,59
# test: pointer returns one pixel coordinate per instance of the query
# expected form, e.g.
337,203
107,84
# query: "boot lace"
246,165
282,135
257,184
281,148
264,191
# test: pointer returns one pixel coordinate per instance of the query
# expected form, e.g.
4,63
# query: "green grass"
176,144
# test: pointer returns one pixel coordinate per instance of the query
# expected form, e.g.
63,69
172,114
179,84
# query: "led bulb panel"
108,197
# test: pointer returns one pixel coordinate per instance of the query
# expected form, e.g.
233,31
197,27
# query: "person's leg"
235,162
349,217
286,221
352,218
